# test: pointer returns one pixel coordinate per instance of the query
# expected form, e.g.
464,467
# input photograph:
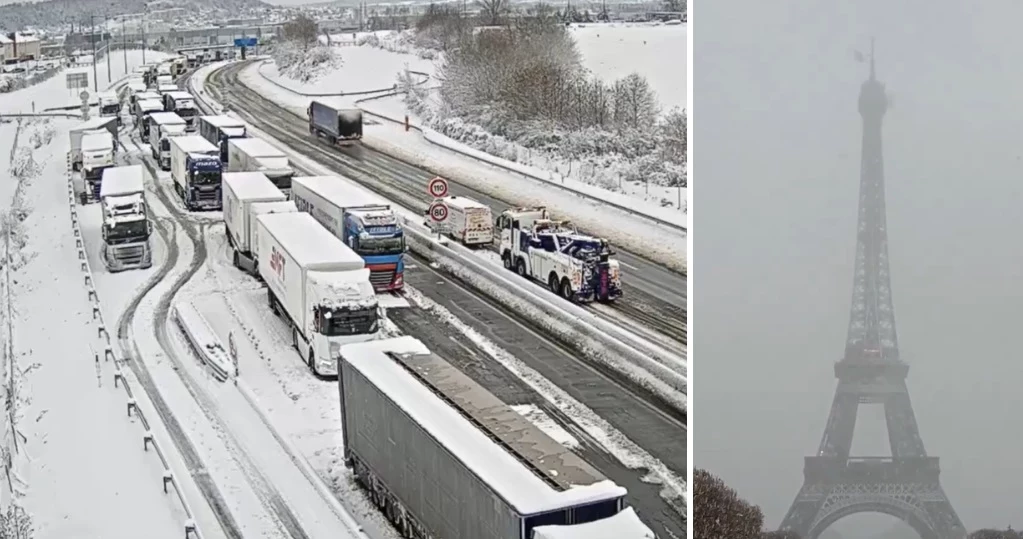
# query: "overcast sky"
777,142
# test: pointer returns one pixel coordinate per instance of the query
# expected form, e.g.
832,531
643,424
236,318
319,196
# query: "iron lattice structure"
837,484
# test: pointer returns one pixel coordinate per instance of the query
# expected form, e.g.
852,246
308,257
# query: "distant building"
16,45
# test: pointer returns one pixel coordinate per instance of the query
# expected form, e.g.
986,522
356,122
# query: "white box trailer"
98,150
500,476
257,155
318,285
469,222
96,124
241,191
162,126
262,208
624,525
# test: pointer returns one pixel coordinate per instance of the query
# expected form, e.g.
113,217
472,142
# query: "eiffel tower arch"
906,484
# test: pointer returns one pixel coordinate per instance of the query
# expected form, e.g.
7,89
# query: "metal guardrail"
121,375
259,69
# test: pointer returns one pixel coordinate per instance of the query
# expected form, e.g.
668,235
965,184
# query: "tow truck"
575,266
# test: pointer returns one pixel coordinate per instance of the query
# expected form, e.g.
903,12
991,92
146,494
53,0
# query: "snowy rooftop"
273,207
194,144
273,163
180,94
95,123
256,147
125,180
624,525
577,482
252,186
97,141
223,121
307,241
167,118
463,203
336,190
148,95
150,104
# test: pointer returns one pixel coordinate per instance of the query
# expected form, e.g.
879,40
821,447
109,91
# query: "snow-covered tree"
719,512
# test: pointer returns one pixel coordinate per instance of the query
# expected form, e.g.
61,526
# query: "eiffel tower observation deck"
904,484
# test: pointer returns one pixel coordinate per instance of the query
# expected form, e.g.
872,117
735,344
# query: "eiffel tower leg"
804,510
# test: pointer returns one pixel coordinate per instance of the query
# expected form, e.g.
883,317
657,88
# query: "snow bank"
203,340
305,66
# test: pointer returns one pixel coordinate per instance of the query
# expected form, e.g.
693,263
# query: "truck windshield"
341,322
380,246
111,109
186,113
206,178
127,231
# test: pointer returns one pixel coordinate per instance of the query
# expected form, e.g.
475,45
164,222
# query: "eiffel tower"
835,483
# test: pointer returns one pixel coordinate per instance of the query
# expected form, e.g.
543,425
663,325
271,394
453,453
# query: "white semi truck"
183,104
575,266
89,126
126,226
143,108
257,155
163,126
110,105
317,285
98,149
242,190
219,129
196,171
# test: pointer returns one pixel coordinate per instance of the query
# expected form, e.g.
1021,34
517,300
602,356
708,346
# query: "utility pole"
142,25
107,41
95,80
124,44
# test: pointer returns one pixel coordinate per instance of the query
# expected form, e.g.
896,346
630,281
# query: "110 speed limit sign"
439,212
438,187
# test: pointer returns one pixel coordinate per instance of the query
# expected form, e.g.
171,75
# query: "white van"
468,221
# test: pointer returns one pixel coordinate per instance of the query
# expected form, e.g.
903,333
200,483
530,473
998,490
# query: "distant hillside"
56,13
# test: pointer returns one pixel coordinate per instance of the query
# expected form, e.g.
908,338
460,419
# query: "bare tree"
989,533
675,5
719,513
635,102
671,130
492,12
301,30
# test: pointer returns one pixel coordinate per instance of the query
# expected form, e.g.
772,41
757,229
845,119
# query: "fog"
776,168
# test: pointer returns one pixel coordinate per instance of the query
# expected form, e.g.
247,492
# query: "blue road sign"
246,42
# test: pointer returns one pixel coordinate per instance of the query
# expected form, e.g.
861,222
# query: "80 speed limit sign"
438,212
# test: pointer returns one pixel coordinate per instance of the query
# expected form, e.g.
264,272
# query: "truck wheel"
506,260
235,259
520,266
552,283
566,289
312,362
270,302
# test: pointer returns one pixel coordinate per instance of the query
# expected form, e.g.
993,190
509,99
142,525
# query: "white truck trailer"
257,155
317,285
196,171
241,191
143,108
219,129
126,226
469,222
163,126
500,476
89,126
183,104
110,105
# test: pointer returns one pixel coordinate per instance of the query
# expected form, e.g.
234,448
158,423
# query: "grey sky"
777,163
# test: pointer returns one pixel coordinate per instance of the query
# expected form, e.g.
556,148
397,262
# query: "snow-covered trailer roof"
252,186
97,141
94,124
180,94
148,94
166,118
194,144
335,189
222,121
312,246
463,203
149,104
119,181
256,147
534,474
625,525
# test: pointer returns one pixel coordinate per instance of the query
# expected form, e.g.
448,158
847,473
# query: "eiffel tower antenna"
835,483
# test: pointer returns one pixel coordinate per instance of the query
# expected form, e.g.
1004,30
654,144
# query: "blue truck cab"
375,233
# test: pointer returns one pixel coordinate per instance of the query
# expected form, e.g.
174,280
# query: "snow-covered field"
362,69
54,92
658,52
86,474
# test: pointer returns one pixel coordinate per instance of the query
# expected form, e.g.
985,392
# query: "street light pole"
105,21
142,25
95,79
124,44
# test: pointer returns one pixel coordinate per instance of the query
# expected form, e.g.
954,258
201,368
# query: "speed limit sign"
439,212
438,187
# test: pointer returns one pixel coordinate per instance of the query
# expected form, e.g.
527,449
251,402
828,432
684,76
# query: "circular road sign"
439,212
84,96
438,187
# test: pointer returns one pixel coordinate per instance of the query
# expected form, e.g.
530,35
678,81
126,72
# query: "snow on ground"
658,52
639,235
363,69
88,476
53,92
